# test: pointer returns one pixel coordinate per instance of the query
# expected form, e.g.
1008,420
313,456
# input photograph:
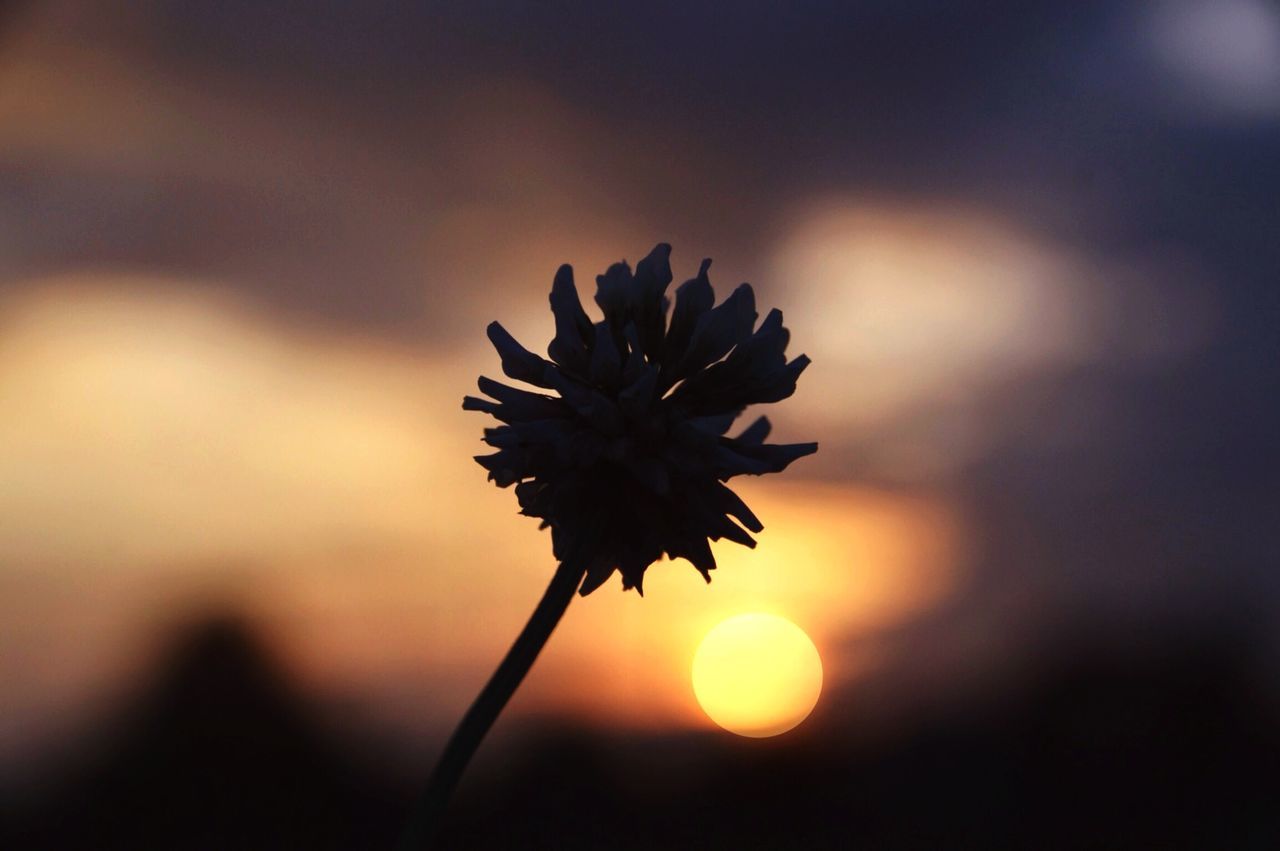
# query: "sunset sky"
247,256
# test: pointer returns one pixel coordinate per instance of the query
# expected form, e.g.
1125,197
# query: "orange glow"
846,562
757,675
165,451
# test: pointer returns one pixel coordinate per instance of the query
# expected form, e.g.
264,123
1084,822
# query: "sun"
757,675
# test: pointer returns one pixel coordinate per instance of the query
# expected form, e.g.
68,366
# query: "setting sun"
757,675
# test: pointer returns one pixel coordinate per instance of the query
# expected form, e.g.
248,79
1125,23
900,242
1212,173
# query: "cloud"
1222,55
917,302
925,319
150,425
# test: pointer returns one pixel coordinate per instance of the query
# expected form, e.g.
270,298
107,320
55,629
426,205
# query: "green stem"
424,822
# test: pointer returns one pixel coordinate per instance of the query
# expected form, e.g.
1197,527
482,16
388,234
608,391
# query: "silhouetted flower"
629,461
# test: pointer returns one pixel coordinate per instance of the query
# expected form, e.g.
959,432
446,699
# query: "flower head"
628,460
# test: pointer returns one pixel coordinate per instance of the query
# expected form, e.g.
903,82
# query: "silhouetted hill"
1109,744
1116,745
219,753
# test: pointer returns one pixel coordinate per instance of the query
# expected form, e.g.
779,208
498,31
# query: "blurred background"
250,575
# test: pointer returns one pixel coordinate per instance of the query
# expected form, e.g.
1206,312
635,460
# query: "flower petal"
719,330
693,298
573,326
612,293
732,504
606,362
648,304
517,361
754,434
515,404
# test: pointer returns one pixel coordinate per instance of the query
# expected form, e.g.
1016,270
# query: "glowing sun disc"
757,675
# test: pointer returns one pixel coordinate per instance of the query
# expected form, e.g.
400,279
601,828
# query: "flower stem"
424,822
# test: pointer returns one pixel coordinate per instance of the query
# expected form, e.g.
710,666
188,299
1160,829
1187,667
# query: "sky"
248,252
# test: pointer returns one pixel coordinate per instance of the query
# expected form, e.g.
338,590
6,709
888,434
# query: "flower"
629,460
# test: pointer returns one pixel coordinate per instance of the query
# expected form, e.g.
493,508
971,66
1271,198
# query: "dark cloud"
703,115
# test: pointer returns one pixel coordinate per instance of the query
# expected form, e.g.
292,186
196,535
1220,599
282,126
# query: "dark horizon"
1160,745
